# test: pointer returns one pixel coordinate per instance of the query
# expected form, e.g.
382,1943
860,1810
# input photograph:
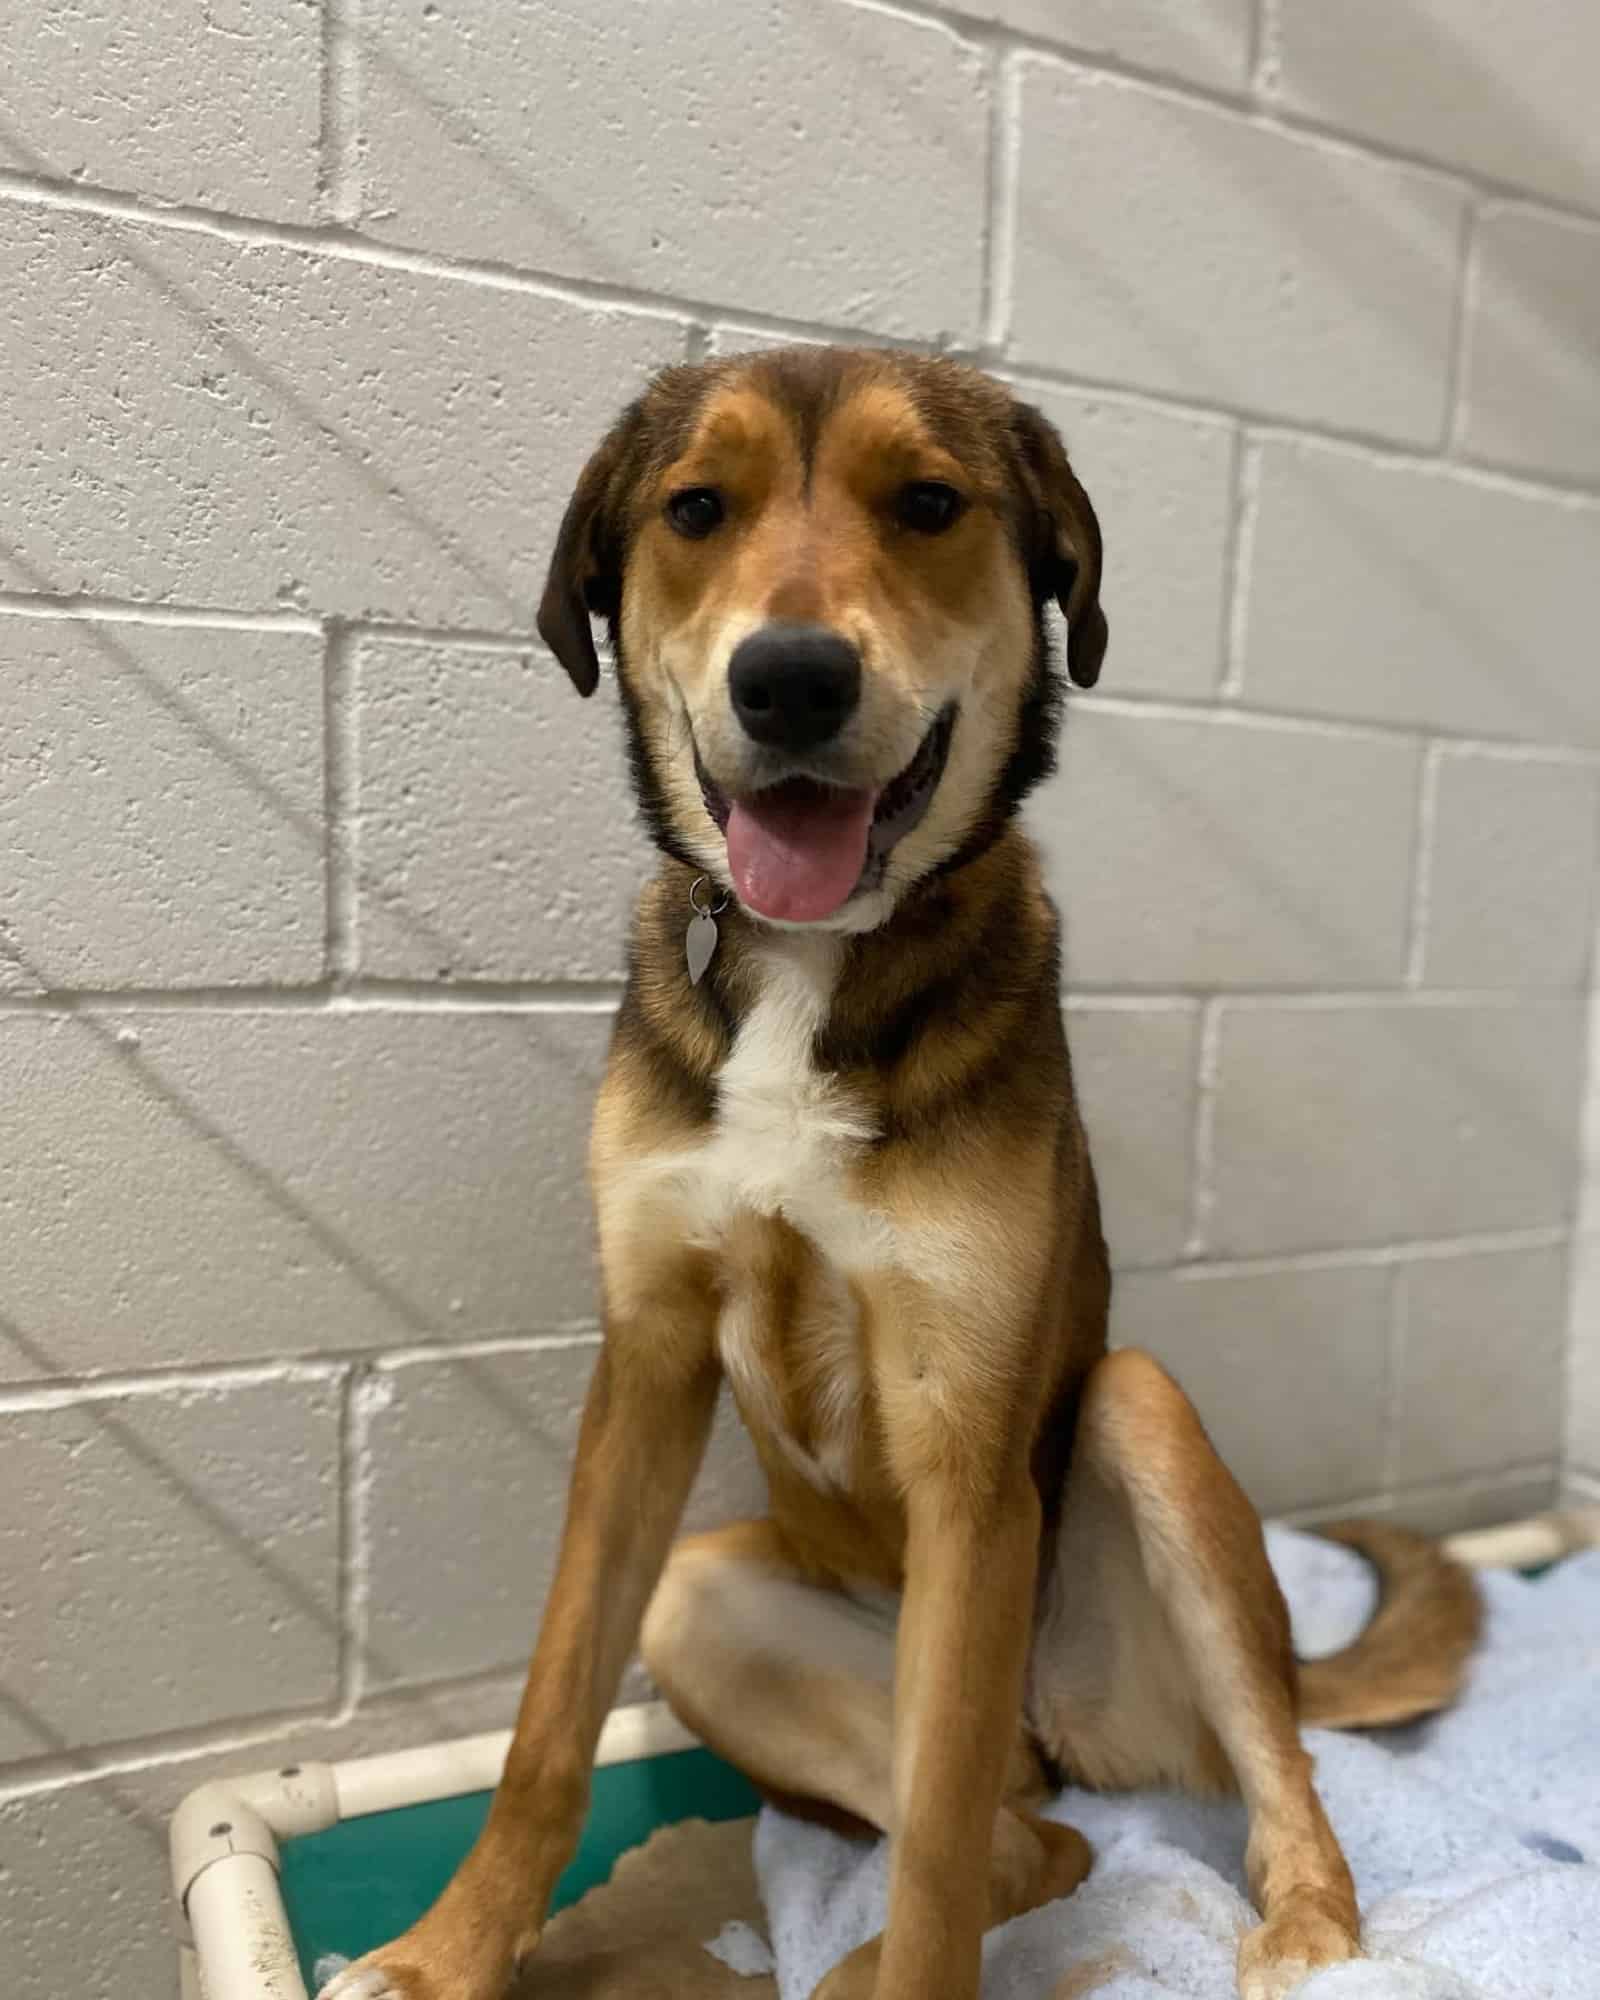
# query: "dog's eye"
696,511
929,506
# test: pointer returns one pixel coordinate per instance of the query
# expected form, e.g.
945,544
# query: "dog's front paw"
1295,1941
366,1981
428,1963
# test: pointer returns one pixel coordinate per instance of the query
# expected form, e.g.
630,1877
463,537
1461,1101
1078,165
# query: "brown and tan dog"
844,1170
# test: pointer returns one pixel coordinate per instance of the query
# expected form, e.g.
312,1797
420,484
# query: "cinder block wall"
313,871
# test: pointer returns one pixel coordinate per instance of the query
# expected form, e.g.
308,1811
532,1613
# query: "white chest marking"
783,1144
786,1135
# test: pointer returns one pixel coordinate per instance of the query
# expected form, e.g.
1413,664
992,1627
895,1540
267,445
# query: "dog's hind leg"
790,1679
1163,1657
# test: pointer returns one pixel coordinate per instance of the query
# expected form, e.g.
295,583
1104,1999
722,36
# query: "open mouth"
799,850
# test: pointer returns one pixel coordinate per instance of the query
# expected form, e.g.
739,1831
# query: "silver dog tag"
699,944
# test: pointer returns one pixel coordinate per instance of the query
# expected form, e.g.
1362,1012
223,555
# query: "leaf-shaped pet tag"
699,943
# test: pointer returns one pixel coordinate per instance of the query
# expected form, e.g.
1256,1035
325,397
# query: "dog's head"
824,575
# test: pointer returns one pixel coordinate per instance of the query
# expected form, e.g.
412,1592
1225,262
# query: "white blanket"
1472,1836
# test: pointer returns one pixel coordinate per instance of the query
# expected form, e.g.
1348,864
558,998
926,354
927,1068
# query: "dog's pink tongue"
797,851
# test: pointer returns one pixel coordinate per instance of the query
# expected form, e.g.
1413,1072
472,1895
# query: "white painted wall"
313,872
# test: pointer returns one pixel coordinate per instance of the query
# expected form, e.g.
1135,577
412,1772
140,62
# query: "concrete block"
1172,245
1371,1122
469,1464
1501,88
1478,1365
190,1536
1195,851
197,1186
258,427
1511,889
1530,394
1135,1073
215,103
1209,45
498,838
1422,596
1162,485
466,1486
820,161
160,805
1285,1367
55,1843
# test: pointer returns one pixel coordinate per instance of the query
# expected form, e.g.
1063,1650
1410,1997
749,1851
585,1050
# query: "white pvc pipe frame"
235,1942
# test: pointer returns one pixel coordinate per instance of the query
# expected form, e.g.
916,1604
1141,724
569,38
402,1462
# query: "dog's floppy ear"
585,578
1061,539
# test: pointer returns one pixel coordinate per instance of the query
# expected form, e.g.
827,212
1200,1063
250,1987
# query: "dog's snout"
794,686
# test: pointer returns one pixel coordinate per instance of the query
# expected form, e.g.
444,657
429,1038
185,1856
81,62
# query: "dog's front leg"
643,1434
966,1615
971,1558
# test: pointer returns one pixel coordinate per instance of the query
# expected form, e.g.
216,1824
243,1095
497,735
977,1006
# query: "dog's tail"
1411,1656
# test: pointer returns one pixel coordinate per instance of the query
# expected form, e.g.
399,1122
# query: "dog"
837,1162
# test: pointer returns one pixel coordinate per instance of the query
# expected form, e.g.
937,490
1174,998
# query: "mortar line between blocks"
1358,1256
315,1365
160,1750
1000,204
1591,975
468,638
355,1536
80,607
1465,305
339,140
1420,909
94,608
556,1341
1238,563
1157,1001
1202,1135
1261,58
17,1399
1333,999
1246,714
358,996
341,806
574,997
555,996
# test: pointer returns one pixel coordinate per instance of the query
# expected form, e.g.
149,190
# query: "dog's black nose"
794,686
